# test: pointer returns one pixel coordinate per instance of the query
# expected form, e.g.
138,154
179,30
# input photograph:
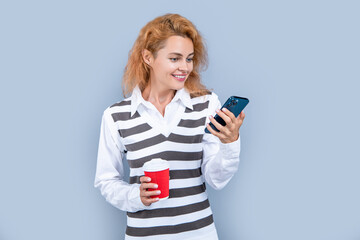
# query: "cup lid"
156,164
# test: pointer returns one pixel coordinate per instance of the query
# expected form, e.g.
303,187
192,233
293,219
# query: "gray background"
297,61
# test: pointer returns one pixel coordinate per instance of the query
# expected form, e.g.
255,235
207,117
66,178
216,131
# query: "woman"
165,117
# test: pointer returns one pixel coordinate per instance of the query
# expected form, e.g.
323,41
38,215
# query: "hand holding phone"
235,105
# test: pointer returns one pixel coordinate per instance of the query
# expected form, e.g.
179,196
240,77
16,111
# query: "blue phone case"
235,105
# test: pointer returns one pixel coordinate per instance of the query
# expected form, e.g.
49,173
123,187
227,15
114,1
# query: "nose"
184,66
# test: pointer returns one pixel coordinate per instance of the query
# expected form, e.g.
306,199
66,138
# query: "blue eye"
189,59
173,59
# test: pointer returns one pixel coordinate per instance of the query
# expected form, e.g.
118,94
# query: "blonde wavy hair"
153,37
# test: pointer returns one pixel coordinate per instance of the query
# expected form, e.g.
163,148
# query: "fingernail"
217,110
149,179
155,186
158,191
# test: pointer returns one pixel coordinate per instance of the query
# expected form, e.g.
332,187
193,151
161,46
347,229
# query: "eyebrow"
179,54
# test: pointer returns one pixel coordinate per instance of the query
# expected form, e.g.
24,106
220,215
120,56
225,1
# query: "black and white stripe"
174,174
187,208
170,229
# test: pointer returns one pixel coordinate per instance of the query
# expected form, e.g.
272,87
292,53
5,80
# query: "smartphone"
235,105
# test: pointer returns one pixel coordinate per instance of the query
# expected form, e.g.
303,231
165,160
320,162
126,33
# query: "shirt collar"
181,95
184,96
136,99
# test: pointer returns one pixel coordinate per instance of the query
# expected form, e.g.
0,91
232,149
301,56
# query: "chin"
179,86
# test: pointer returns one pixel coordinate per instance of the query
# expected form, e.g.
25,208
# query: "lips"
179,77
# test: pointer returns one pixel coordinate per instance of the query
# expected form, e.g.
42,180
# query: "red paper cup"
158,170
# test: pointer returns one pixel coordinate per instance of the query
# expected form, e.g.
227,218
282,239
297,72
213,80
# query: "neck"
158,97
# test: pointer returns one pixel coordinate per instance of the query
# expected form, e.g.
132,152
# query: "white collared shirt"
220,161
173,110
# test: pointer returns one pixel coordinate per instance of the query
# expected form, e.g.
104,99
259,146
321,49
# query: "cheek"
171,67
191,67
162,69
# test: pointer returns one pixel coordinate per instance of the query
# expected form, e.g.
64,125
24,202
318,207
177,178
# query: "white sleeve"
109,176
220,161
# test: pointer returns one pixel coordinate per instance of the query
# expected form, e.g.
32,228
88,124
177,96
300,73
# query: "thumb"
241,116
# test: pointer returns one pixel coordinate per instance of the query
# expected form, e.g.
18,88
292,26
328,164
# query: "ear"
147,57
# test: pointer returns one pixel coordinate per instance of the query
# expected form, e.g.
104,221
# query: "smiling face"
172,65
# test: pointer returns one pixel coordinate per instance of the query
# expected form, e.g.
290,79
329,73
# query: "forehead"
178,44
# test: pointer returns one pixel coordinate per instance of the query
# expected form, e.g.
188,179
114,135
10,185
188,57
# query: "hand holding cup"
155,184
145,195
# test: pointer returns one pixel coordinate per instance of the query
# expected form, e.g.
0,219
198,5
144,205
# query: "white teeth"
177,76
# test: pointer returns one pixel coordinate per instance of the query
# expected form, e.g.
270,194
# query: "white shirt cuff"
231,150
134,198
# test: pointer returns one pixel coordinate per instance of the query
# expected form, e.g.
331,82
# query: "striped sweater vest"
187,209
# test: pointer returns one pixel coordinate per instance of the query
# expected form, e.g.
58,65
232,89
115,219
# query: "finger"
145,186
215,133
241,116
145,179
149,201
240,119
216,123
226,119
211,130
225,131
229,114
150,193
